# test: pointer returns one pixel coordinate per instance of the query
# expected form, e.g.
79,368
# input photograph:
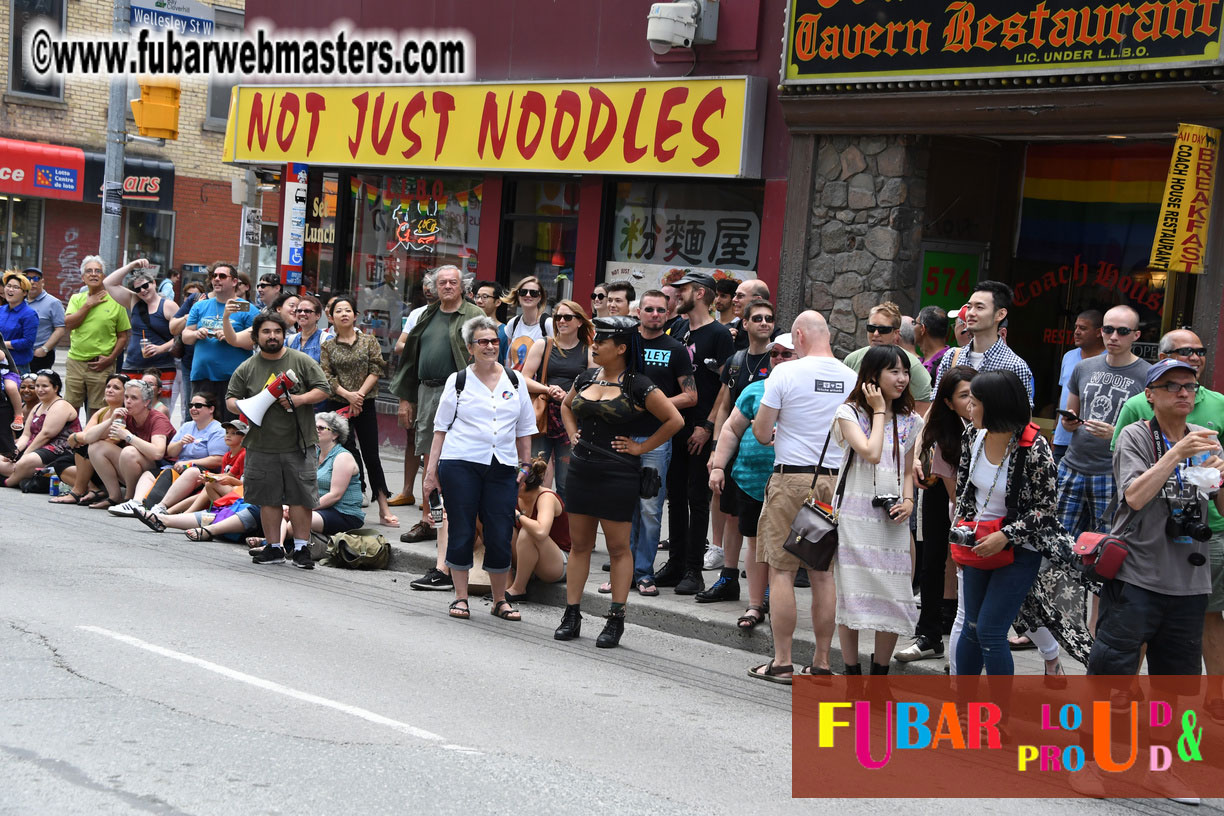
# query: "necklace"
981,451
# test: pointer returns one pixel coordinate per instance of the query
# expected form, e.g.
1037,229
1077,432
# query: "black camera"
1186,519
887,502
963,536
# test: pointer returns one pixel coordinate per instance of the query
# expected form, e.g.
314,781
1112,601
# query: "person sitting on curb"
541,540
81,473
142,436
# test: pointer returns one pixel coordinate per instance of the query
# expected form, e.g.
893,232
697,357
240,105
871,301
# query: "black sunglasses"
1189,351
142,287
1121,331
760,318
532,293
564,318
874,329
198,405
598,296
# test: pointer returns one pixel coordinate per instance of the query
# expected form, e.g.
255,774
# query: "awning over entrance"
72,174
41,170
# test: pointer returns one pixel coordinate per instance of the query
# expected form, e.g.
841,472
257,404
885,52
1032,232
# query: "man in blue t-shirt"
215,359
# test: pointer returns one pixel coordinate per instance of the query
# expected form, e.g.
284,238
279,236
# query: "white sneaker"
1170,786
713,558
920,649
127,509
159,509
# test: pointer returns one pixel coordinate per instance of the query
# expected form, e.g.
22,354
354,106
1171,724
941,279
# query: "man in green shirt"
98,331
282,455
1208,412
884,329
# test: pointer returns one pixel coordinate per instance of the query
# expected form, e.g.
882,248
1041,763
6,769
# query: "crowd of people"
535,425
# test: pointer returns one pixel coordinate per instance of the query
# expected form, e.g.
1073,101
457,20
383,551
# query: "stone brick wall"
867,203
80,119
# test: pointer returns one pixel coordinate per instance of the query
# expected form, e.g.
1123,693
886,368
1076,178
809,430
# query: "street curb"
672,616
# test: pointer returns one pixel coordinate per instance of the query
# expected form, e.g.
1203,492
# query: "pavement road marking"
268,685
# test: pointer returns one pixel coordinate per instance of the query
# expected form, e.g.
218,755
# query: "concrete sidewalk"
675,614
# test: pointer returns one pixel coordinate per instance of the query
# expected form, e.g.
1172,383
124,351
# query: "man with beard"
282,450
688,493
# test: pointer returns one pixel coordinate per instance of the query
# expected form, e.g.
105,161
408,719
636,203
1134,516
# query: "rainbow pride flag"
1099,201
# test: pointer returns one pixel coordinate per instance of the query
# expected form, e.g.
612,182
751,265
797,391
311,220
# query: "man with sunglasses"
884,329
1207,412
98,332
745,293
50,312
215,360
1096,392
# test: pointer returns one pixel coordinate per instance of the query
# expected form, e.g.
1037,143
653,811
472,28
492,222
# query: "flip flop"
199,534
605,588
150,520
91,497
460,612
103,504
646,586
772,674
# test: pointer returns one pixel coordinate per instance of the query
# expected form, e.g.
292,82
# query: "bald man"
796,415
745,293
1208,412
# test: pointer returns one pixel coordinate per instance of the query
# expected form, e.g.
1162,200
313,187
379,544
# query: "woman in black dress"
603,486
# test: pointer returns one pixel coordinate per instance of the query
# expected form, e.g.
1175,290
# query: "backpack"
364,548
461,381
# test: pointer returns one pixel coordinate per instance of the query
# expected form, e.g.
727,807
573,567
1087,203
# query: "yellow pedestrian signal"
157,110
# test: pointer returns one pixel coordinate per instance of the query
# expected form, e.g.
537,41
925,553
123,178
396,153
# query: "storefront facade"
933,146
580,178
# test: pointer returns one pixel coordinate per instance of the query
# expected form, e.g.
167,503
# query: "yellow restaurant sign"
707,127
1185,207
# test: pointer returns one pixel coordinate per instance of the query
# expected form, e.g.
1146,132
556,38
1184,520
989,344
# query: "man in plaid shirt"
986,309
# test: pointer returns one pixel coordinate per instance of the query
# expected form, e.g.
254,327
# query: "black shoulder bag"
813,533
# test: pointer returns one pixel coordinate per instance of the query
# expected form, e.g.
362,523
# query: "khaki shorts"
275,479
1215,602
428,397
784,495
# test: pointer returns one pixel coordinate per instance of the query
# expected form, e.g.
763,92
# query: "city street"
142,674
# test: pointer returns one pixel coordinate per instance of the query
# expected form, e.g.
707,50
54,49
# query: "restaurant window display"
403,227
541,229
661,228
1088,218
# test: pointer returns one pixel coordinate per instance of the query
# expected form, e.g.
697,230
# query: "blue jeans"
648,519
487,491
992,600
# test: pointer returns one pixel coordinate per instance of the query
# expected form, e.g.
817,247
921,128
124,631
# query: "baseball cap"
957,313
237,425
702,279
784,340
32,270
1163,367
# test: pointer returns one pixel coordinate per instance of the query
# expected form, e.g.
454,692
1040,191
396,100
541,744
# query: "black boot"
857,668
571,623
876,668
610,637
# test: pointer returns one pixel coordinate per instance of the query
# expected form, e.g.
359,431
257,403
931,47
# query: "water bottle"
56,485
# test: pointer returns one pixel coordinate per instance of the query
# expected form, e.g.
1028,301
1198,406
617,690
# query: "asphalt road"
144,674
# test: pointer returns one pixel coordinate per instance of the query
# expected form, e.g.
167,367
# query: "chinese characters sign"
691,238
840,40
709,127
1181,233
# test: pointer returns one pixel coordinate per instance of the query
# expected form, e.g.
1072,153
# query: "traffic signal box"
157,110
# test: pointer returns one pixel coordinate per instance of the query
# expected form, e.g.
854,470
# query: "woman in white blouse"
481,444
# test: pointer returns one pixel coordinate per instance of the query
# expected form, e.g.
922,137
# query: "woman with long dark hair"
878,428
604,483
940,450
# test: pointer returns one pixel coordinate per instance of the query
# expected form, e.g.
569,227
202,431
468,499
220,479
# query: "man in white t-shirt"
797,414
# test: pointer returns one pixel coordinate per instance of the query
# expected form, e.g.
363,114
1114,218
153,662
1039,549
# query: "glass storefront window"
541,229
150,235
22,220
660,228
268,248
319,241
403,227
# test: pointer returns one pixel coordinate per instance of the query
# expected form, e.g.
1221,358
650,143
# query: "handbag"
813,533
966,557
540,402
926,458
1100,554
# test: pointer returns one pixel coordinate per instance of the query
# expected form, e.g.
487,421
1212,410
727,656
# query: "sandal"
66,498
150,520
748,620
814,671
646,586
771,673
502,609
605,588
199,534
91,497
512,598
103,504
460,612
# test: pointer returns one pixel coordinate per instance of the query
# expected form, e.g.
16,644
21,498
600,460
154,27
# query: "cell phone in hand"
435,507
1068,415
242,305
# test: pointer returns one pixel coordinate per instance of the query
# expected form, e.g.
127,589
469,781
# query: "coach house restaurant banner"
706,127
865,40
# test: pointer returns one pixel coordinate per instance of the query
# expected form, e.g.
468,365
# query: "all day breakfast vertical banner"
1185,208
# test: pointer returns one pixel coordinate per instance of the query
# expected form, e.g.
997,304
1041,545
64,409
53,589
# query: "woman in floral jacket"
998,479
